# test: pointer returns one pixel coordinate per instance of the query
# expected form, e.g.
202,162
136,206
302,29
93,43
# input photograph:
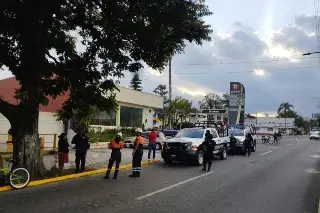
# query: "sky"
258,43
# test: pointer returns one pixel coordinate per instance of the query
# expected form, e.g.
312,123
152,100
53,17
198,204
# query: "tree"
39,47
135,82
161,90
178,109
214,101
285,110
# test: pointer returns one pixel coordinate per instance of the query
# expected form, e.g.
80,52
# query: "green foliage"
135,82
214,101
285,110
178,109
161,90
109,134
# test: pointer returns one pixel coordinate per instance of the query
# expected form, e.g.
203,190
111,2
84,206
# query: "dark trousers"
112,160
81,157
207,159
233,148
136,162
248,148
152,147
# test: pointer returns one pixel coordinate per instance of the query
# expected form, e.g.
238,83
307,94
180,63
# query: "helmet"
119,134
139,130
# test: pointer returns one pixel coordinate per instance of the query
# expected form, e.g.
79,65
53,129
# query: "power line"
248,62
248,71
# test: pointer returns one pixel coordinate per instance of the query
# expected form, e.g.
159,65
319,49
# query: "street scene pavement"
283,178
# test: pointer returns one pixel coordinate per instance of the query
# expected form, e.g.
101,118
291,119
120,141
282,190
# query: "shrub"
108,134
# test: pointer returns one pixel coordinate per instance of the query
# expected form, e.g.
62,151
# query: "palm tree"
286,110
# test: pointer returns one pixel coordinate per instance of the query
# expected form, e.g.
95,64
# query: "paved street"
273,179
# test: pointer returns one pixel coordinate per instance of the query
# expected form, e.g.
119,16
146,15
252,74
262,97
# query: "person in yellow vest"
137,154
116,146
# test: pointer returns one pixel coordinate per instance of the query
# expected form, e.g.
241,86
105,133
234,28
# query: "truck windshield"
236,132
190,133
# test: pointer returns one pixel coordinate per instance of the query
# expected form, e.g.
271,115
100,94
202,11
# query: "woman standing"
63,150
137,154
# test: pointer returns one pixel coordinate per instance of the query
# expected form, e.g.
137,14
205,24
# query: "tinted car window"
236,132
190,133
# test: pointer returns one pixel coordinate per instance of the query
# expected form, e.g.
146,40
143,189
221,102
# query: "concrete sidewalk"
96,158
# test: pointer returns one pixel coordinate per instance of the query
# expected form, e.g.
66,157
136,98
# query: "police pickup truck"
239,132
184,146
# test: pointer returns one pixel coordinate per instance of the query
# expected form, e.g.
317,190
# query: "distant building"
136,109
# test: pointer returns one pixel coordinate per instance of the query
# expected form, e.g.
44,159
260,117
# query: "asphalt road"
279,179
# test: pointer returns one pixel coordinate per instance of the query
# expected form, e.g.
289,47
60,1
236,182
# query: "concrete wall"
130,96
47,125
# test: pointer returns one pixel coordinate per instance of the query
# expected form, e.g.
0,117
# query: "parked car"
184,146
240,135
315,136
161,138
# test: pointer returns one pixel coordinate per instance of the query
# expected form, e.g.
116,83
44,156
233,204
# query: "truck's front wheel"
223,153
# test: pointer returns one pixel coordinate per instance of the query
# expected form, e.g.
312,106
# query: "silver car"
161,138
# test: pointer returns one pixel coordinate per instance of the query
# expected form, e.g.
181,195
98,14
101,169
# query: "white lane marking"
288,144
172,186
312,171
265,153
274,147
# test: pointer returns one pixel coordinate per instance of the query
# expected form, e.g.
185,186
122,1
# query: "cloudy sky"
250,38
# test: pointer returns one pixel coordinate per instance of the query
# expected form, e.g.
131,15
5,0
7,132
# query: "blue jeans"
152,147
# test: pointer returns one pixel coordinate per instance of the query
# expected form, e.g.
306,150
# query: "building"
208,115
136,109
270,125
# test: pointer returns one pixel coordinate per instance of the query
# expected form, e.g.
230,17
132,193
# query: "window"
105,119
190,133
130,116
236,132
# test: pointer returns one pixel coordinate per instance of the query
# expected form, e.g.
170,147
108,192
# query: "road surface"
281,179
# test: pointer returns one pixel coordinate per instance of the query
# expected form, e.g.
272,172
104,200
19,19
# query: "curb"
73,176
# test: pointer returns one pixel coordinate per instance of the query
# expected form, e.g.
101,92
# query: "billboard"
236,103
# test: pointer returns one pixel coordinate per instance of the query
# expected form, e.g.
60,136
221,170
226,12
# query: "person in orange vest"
115,145
137,154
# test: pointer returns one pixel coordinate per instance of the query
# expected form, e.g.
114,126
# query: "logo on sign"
235,88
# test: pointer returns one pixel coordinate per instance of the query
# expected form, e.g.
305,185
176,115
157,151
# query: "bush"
109,134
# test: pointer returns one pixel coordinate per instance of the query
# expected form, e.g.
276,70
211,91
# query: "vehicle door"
216,139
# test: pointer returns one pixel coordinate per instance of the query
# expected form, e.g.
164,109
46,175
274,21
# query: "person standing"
152,143
208,147
82,145
137,154
233,144
63,150
248,142
116,146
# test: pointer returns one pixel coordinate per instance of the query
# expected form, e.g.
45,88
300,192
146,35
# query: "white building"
136,109
270,125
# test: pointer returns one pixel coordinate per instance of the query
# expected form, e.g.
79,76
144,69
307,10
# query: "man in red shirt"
152,143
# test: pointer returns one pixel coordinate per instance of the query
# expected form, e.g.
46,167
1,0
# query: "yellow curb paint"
72,176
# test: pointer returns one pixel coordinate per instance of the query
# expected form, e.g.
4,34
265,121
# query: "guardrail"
48,142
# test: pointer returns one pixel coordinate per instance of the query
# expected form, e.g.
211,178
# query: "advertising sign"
236,103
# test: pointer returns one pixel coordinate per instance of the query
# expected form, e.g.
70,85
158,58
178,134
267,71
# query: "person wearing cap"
63,150
115,145
137,154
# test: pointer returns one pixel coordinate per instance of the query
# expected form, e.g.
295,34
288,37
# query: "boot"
138,174
107,174
204,167
134,174
115,176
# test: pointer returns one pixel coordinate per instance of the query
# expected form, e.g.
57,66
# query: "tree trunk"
26,142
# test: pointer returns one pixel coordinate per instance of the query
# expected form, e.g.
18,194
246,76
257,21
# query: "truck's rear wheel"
223,153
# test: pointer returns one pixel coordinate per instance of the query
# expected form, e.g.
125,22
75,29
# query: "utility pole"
170,83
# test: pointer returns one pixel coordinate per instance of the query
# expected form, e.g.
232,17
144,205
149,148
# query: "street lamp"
309,53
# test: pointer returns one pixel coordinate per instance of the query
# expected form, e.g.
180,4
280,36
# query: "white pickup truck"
184,146
240,135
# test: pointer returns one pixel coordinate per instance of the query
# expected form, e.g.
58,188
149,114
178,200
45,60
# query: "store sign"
235,88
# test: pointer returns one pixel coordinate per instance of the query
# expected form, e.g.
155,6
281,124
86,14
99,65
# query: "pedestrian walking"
247,142
137,154
152,143
208,148
233,144
82,145
116,146
63,150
